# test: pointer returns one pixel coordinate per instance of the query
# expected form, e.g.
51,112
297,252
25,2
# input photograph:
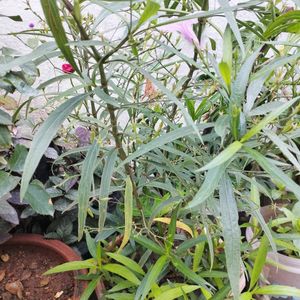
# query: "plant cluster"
164,149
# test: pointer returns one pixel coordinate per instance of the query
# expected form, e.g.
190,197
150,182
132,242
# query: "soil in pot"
21,269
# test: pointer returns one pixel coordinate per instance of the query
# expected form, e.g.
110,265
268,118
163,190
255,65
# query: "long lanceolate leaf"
278,290
151,278
233,25
240,84
123,272
105,186
231,233
274,171
44,136
211,182
259,261
176,292
188,273
52,15
84,189
223,157
128,211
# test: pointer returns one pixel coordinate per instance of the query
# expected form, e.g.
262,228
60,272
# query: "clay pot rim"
62,249
56,246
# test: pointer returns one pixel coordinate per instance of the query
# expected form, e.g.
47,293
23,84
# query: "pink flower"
67,68
185,28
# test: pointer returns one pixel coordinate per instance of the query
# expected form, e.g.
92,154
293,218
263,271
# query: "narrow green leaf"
84,189
150,10
199,249
129,263
213,274
211,182
231,233
71,266
183,247
259,261
43,138
16,18
246,296
226,74
227,49
90,242
222,293
88,291
233,25
150,278
288,22
274,171
149,244
223,157
188,273
257,214
240,84
106,98
269,118
277,290
171,230
105,186
254,193
120,296
123,272
122,285
54,21
128,211
177,292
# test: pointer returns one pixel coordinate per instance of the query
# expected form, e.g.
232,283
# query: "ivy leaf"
7,183
7,212
39,199
17,161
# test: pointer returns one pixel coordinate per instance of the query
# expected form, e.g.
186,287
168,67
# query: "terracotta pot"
288,270
59,248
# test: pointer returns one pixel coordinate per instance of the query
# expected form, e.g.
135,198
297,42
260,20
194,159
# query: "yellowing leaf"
179,224
8,103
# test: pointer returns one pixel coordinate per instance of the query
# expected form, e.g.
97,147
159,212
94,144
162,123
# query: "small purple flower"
31,25
185,28
83,135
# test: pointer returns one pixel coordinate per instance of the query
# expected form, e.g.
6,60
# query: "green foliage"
162,151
